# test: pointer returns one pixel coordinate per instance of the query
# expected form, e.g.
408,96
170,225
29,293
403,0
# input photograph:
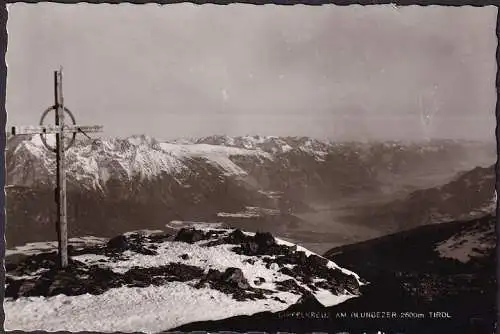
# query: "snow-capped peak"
93,162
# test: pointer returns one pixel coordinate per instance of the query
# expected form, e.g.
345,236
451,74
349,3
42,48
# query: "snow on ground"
215,257
464,246
158,308
473,241
221,227
147,310
330,264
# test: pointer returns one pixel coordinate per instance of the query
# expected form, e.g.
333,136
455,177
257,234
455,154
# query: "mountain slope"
469,194
446,267
412,276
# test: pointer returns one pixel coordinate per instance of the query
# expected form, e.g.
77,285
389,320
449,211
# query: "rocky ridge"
142,260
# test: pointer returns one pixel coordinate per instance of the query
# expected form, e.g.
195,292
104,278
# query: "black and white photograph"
241,168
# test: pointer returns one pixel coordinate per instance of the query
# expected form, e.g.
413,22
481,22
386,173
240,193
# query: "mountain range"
117,185
415,222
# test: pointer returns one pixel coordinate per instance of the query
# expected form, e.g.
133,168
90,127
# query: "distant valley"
317,193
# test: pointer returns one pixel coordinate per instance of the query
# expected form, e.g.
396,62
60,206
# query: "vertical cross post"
62,222
60,129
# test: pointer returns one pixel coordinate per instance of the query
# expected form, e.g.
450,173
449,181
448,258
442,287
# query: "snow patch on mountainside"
462,248
219,156
475,241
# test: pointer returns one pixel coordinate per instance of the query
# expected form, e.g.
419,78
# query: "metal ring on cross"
44,139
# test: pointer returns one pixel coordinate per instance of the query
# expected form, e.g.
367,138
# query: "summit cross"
60,129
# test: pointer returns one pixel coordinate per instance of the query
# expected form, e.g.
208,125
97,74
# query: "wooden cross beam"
59,129
53,129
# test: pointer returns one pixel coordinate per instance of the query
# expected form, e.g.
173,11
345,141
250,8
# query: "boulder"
236,237
259,281
118,243
264,240
251,248
144,251
159,237
235,277
25,288
189,235
299,258
316,261
213,275
307,302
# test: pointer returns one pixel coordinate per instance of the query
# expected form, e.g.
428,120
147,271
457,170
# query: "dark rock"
352,285
279,299
316,261
287,271
236,237
65,284
12,287
307,302
210,234
232,282
173,271
79,278
298,258
118,243
96,290
259,281
264,240
272,266
235,276
213,275
133,242
159,237
144,250
260,244
158,280
250,248
26,288
185,257
189,235
139,284
307,279
290,285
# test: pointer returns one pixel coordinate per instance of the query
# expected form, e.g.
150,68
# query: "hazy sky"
181,70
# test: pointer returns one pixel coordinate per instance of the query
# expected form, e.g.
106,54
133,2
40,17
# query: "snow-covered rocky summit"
151,282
